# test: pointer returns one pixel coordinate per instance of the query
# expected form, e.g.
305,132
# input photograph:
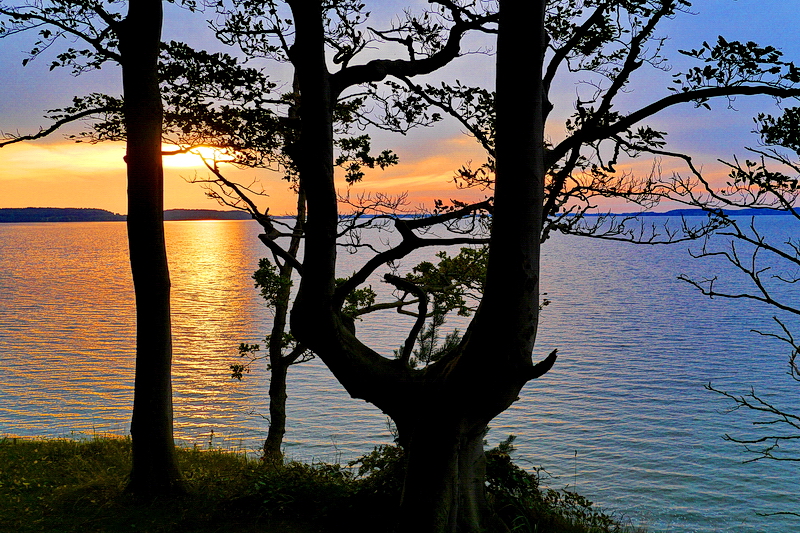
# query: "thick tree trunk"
154,471
442,412
444,486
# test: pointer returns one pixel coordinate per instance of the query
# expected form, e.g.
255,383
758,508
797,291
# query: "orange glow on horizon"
67,174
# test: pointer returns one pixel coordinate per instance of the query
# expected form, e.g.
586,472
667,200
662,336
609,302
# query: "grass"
62,485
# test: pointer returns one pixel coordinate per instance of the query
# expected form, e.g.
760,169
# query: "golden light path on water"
623,415
68,285
67,340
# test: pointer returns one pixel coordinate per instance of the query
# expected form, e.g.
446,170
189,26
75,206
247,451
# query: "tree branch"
422,313
379,69
584,136
55,126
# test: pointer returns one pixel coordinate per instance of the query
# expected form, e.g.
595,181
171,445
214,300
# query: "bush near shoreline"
63,485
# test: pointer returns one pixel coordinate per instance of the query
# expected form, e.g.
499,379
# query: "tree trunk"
277,411
443,490
280,362
441,412
154,470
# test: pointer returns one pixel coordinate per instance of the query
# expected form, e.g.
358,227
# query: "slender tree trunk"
277,412
279,367
280,362
154,470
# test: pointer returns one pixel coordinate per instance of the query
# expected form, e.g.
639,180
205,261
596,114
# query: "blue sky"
56,173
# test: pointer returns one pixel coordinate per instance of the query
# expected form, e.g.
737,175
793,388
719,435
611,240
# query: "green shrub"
524,507
76,486
299,489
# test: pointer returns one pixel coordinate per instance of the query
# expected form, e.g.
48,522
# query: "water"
623,416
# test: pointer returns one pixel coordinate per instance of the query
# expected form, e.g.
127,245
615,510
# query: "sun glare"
194,158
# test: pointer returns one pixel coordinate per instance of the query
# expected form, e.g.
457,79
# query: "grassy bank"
78,486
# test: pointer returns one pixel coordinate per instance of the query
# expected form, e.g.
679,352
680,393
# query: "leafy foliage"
355,154
270,283
783,131
732,62
456,282
357,301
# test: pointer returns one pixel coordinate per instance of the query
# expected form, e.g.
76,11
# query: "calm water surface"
623,416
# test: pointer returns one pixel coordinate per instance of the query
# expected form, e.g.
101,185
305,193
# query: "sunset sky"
55,172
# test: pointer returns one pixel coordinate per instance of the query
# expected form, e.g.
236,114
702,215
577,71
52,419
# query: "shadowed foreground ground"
78,486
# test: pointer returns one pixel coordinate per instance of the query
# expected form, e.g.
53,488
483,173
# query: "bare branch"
55,126
422,313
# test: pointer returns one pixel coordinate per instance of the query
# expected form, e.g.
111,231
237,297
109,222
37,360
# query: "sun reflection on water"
623,413
214,308
67,325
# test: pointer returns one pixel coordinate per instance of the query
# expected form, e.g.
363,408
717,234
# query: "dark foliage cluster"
367,490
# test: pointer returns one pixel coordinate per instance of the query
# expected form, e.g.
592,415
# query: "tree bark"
154,470
443,490
441,412
280,362
277,411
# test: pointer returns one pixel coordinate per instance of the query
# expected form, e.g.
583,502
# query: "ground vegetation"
65,485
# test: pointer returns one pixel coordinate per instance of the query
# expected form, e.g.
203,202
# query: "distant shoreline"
698,213
59,214
69,214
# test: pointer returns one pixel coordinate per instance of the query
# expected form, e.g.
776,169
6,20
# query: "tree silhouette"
768,265
442,409
131,39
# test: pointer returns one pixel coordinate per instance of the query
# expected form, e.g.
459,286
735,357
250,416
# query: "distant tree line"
73,214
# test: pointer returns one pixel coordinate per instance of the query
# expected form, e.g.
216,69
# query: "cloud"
425,171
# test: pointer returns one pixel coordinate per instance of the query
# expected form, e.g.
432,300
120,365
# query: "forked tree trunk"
154,470
444,489
441,412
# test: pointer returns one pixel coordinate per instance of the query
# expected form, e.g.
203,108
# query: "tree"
768,267
441,412
133,42
442,409
283,350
